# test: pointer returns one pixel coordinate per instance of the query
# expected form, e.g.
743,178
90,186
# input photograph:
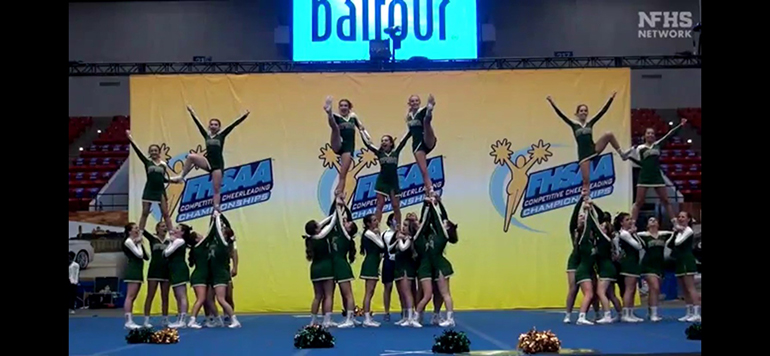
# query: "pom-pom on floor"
488,331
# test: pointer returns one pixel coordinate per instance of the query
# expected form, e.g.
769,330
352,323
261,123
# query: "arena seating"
681,163
96,164
692,115
78,125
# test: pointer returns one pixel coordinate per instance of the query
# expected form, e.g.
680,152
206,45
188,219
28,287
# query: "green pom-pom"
313,337
451,342
693,332
139,336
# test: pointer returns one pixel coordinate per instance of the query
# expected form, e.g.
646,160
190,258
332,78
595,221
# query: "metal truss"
78,69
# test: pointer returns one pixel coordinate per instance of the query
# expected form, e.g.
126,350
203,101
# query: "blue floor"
487,330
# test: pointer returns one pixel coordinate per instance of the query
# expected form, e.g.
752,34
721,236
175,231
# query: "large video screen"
340,30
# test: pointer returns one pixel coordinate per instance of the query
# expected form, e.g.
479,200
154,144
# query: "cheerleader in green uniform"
576,228
343,254
155,186
604,266
318,252
157,274
134,250
234,270
372,248
219,266
387,184
343,139
446,232
423,239
419,121
179,274
213,161
652,263
583,131
681,243
404,273
650,174
586,233
630,245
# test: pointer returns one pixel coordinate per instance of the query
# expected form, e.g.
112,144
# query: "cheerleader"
219,267
586,232
209,269
154,188
604,266
576,228
650,175
405,272
233,271
343,254
371,247
630,245
423,236
686,268
388,266
179,274
446,231
387,184
134,250
652,263
318,252
157,274
583,132
343,139
213,161
418,120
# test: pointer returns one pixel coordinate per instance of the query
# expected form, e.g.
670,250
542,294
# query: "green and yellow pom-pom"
451,342
693,332
313,337
533,342
149,336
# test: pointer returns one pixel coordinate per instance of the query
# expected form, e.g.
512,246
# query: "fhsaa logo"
665,24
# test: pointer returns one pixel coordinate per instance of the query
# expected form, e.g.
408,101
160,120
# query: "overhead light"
80,149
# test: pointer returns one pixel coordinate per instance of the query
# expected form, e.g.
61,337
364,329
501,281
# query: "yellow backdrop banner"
505,165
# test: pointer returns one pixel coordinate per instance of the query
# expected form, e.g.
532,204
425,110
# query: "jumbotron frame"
78,69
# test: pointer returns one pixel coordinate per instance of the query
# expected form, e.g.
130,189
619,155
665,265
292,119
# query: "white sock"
696,310
608,314
367,317
449,315
129,318
146,319
182,317
689,309
349,316
582,316
410,314
625,312
416,316
312,319
653,311
327,318
219,319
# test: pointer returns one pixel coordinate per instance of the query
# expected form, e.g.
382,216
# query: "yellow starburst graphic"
519,168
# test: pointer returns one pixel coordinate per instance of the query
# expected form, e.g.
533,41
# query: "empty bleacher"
96,164
78,125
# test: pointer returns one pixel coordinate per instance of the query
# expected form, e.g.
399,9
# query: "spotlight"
689,140
670,123
98,131
80,149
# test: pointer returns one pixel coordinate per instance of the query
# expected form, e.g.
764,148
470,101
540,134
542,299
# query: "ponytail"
308,248
361,249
